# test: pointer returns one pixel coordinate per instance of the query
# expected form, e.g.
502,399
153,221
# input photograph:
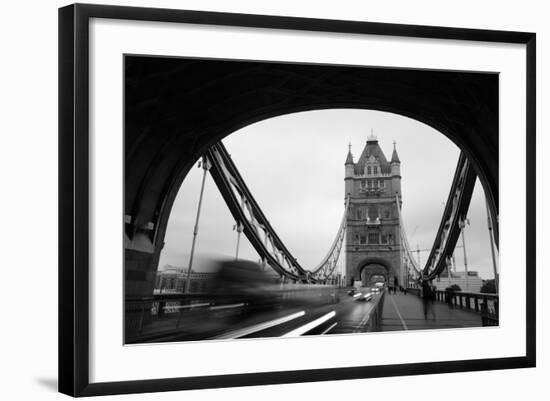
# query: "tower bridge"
243,302
162,143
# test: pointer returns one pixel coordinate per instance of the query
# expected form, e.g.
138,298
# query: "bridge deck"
405,312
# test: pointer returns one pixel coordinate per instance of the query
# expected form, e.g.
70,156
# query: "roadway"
330,311
341,313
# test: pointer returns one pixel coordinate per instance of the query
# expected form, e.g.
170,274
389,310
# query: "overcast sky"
294,167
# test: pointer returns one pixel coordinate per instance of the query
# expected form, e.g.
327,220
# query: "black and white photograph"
275,200
267,199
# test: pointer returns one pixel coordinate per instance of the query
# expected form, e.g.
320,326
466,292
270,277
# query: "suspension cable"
257,228
404,238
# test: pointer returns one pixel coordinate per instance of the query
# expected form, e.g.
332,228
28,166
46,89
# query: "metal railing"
483,303
163,314
141,312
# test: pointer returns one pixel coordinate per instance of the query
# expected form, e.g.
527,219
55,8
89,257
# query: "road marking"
399,314
363,321
187,306
307,327
329,329
227,306
258,327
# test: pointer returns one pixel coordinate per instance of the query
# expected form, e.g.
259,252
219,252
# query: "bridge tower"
373,238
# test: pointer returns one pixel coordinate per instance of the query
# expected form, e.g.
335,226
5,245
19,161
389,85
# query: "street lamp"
462,224
449,264
490,227
239,228
205,164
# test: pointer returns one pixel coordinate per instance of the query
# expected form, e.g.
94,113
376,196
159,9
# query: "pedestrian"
449,297
428,296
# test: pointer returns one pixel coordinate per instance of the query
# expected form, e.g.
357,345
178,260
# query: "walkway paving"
405,312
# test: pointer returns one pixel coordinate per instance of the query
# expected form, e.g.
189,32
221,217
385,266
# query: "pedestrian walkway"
405,312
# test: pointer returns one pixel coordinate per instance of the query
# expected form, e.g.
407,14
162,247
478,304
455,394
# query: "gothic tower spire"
394,156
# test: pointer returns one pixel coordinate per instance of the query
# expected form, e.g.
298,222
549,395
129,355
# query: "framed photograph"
306,199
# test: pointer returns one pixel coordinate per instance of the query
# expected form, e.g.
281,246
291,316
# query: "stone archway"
171,120
372,273
370,267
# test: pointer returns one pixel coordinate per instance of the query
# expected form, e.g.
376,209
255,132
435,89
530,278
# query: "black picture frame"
74,198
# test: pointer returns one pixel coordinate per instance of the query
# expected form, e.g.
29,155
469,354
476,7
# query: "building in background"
472,284
172,279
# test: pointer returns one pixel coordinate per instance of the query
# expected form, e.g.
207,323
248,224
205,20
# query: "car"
352,292
364,297
375,290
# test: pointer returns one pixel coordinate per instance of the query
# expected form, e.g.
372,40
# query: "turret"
395,171
395,162
350,166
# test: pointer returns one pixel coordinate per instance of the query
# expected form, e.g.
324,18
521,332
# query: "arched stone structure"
177,108
370,271
371,266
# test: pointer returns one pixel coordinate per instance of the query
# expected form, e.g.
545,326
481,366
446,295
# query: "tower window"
362,240
387,213
384,239
375,169
368,170
372,212
373,238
